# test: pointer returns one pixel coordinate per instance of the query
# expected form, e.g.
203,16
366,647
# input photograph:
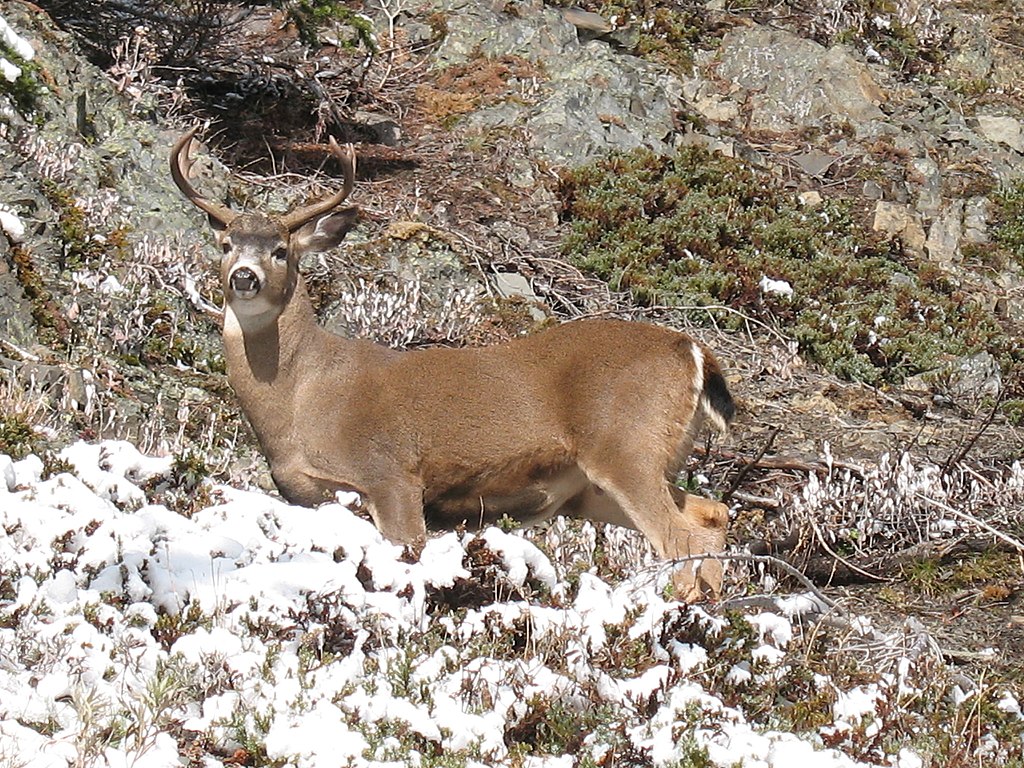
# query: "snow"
10,222
769,285
11,72
305,633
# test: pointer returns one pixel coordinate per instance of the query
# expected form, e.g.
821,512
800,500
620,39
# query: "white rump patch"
698,367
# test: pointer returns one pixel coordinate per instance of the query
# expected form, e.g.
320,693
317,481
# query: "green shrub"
697,228
1008,231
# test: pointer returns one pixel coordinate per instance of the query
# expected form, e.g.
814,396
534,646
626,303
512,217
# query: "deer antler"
180,166
300,216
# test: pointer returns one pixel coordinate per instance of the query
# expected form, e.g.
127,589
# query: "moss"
481,81
51,325
82,243
25,91
309,15
17,438
696,228
1008,227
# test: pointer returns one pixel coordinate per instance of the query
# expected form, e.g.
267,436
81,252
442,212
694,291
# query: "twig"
973,521
788,463
25,354
957,456
839,558
745,469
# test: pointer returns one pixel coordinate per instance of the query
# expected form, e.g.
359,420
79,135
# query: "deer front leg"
397,510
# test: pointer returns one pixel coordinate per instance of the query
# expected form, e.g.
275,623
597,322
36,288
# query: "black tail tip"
718,398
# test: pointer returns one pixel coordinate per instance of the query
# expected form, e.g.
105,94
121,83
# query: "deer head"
260,261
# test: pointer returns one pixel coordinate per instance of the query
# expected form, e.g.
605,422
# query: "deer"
591,419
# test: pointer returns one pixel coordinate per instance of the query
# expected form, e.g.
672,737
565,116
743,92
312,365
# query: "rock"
943,244
586,22
381,129
900,221
795,83
811,199
974,376
814,163
872,190
977,211
513,285
1002,129
594,99
972,50
925,172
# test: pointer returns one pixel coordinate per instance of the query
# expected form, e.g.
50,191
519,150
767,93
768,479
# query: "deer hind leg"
706,522
677,525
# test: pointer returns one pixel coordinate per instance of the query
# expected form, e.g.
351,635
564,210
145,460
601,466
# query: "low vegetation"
697,228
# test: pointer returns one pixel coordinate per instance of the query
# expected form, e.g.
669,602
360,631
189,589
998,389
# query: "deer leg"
706,524
595,505
397,511
677,525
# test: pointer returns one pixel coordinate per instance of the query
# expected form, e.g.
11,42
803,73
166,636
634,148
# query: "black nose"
244,281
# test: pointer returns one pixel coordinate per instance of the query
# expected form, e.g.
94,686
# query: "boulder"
794,83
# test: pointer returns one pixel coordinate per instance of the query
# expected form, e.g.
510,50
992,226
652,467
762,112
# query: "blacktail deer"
591,419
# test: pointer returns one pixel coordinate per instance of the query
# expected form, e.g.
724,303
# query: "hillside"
830,198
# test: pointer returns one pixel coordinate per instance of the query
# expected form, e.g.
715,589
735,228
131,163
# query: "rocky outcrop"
588,100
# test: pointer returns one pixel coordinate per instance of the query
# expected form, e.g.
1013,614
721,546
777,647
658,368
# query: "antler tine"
347,157
180,166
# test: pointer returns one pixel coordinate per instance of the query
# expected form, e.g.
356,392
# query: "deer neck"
265,358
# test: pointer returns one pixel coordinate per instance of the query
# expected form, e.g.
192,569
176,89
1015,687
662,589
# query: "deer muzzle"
244,282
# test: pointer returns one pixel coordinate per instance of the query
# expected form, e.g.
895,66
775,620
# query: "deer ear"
325,232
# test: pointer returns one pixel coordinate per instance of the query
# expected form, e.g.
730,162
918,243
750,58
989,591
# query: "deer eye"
280,253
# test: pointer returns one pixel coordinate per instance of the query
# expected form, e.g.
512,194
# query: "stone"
976,215
793,83
872,190
926,172
593,99
513,285
814,163
1002,129
900,221
974,376
381,129
811,199
943,243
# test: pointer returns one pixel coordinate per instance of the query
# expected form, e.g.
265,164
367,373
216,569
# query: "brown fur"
591,419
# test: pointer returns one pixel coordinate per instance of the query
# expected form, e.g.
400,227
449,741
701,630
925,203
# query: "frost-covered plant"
277,634
901,503
399,313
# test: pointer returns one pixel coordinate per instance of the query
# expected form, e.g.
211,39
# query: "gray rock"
943,244
513,285
1002,129
593,99
977,211
929,188
814,162
974,376
793,83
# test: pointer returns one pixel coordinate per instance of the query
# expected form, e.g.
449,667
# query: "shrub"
697,228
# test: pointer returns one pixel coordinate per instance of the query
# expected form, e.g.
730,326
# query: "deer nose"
245,282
